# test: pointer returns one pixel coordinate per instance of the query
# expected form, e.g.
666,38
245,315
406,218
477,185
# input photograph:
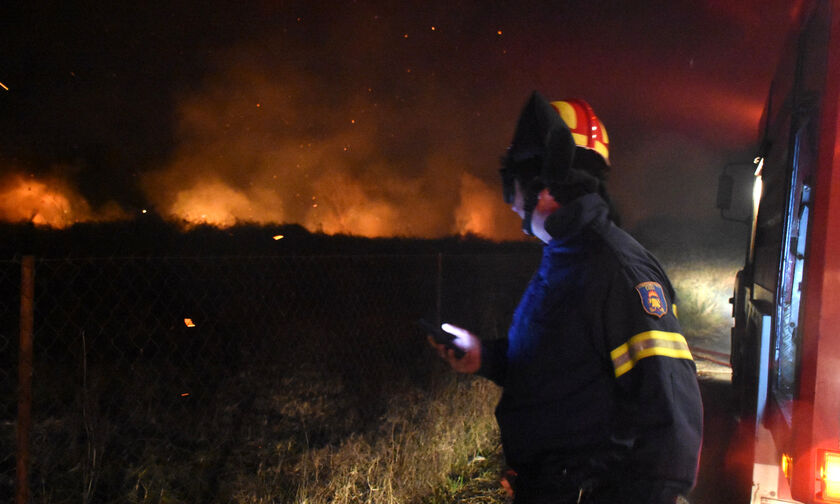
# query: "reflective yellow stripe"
646,344
674,309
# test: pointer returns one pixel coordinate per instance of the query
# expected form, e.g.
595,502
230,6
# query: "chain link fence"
156,375
9,316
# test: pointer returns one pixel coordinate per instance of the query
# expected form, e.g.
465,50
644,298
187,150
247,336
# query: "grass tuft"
420,440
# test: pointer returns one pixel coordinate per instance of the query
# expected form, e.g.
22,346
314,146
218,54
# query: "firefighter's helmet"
587,130
561,145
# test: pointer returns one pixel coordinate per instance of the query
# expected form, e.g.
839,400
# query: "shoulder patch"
653,299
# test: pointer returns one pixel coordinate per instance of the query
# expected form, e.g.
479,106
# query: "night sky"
372,118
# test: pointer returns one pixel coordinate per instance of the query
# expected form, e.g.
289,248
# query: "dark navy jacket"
594,367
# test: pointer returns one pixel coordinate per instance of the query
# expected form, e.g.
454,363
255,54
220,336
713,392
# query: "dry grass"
703,292
274,433
300,439
418,444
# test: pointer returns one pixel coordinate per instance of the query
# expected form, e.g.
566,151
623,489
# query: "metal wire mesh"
182,370
9,308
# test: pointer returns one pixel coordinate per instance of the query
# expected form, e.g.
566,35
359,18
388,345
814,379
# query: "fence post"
24,419
439,286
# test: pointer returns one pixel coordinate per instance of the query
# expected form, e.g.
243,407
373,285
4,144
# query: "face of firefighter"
546,205
518,205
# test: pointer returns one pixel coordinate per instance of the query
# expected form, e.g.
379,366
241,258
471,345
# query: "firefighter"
600,400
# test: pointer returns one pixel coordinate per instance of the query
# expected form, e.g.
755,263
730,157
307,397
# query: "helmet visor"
508,185
524,171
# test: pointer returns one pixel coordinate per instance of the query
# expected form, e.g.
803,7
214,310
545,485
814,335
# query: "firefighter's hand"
470,362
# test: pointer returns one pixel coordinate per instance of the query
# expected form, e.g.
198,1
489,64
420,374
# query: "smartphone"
440,336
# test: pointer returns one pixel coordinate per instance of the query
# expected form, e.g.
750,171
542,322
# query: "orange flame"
220,205
42,202
48,201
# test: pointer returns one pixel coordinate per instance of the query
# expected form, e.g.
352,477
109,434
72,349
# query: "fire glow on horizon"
51,203
47,201
374,121
271,152
398,132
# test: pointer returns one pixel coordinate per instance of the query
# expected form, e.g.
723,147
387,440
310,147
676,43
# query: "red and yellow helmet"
587,130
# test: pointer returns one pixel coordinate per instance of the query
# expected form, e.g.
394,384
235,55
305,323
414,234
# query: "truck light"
787,465
758,186
830,474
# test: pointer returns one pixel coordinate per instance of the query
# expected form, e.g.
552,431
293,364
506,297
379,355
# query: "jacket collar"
568,221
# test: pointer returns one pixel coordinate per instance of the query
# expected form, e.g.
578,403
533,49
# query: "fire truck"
785,352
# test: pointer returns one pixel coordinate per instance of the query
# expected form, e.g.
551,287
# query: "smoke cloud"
270,144
478,211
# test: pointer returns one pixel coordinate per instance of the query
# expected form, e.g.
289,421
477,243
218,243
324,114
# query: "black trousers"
551,481
633,494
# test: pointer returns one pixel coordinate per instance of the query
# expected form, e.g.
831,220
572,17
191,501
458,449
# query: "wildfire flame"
47,201
220,205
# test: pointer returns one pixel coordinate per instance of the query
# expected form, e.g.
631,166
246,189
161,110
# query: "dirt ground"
715,481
